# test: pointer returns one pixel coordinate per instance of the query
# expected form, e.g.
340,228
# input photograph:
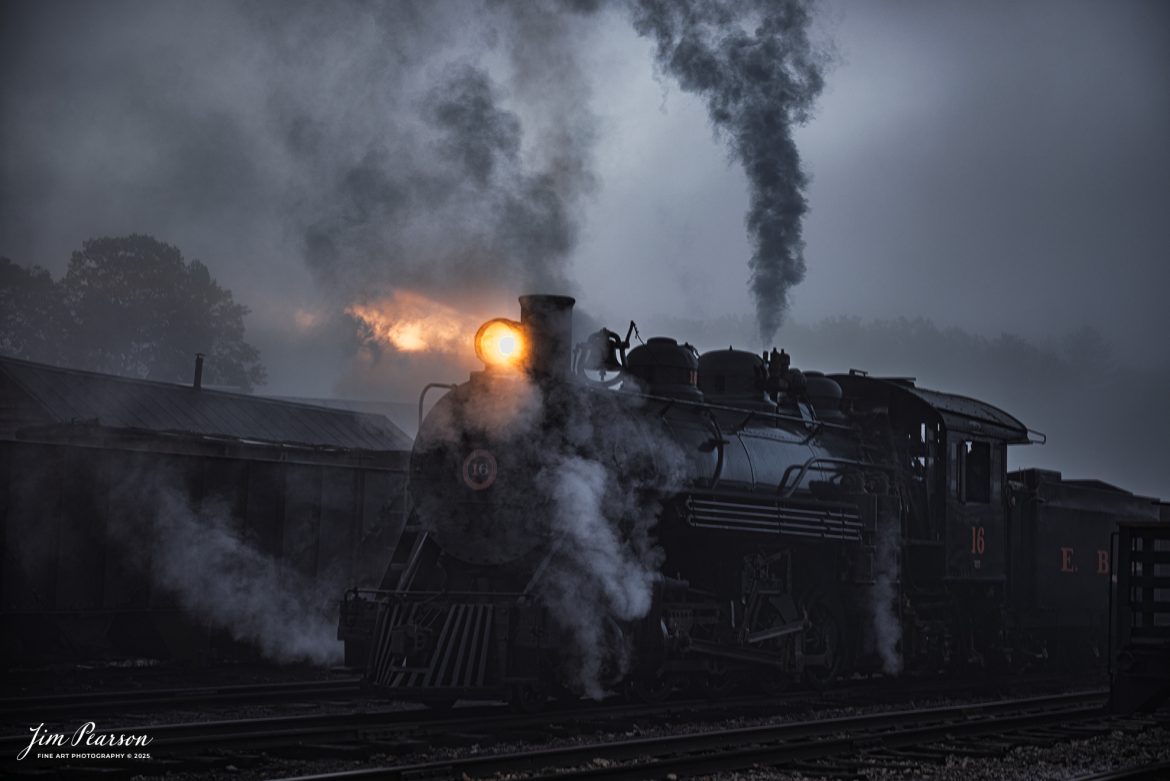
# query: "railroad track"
386,728
88,704
773,745
1155,772
204,746
367,715
38,707
365,731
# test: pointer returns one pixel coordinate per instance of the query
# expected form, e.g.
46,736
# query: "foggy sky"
996,167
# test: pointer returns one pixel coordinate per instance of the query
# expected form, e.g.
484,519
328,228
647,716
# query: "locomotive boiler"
592,517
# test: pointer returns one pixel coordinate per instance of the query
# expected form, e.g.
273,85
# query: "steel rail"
383,724
372,726
105,702
729,749
1153,771
109,700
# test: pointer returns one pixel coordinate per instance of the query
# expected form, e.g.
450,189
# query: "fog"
996,174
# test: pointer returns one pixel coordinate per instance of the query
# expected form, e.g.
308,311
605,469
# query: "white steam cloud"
219,578
886,624
607,472
599,467
596,579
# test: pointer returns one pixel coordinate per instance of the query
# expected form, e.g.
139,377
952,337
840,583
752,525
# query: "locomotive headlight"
500,343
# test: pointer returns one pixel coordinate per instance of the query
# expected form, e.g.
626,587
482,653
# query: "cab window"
975,460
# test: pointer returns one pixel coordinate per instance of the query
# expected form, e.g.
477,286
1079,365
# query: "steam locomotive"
592,518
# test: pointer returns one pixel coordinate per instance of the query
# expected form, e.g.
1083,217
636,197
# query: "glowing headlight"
500,343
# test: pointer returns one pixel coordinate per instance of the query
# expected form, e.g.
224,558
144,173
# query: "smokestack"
548,324
198,383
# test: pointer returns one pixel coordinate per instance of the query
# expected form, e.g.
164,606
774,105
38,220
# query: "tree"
140,309
132,305
32,322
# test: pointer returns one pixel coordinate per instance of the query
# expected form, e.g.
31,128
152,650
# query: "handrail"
422,397
1114,623
355,593
708,405
720,442
804,468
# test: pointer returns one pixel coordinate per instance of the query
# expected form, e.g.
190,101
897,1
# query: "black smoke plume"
460,178
759,84
440,145
467,207
329,153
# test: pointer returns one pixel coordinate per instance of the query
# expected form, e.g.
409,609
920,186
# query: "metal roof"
962,412
958,413
402,414
74,396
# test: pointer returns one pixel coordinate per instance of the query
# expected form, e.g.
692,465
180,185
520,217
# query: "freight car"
1140,648
1061,568
771,525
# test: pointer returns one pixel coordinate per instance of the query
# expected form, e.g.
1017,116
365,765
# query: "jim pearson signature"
83,735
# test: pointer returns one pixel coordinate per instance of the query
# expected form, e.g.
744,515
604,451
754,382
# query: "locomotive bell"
602,352
610,360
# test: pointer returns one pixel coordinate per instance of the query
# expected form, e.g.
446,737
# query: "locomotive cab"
952,457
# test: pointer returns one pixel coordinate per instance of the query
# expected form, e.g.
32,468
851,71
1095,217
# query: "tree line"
129,305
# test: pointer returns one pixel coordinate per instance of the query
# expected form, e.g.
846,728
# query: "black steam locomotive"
594,517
